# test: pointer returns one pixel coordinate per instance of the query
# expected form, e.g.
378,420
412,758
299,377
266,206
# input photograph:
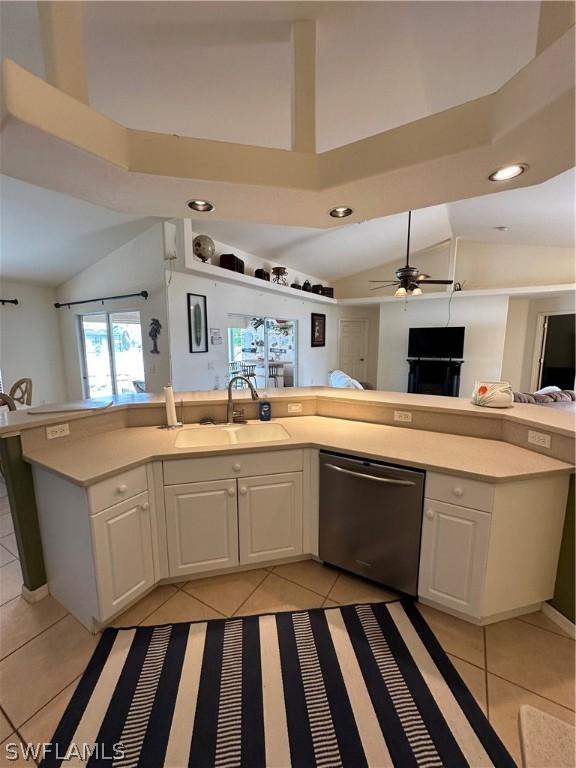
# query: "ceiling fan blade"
380,281
436,282
387,285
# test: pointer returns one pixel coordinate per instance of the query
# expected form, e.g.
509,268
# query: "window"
263,349
113,361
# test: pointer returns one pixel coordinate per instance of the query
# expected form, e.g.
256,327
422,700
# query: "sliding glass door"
113,361
263,349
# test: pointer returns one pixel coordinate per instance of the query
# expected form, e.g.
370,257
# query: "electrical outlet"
405,416
57,430
539,438
294,407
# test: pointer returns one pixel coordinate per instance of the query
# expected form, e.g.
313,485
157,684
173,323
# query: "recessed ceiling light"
507,172
341,211
502,229
202,206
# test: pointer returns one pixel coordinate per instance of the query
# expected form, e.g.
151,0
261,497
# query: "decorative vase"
203,247
493,394
280,275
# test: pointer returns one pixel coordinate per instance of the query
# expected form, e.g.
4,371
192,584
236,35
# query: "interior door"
353,348
557,362
201,526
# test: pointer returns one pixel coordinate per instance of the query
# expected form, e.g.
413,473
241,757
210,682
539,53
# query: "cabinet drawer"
179,471
459,490
116,489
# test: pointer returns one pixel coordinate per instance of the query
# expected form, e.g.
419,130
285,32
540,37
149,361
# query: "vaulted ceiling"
116,113
278,111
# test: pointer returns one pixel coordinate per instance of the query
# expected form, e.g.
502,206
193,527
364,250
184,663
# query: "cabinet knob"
145,506
243,490
458,492
122,488
430,514
236,467
231,492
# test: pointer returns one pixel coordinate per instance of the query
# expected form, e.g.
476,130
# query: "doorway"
263,350
112,356
353,348
556,359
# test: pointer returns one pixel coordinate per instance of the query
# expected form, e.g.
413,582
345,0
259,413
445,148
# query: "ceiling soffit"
50,137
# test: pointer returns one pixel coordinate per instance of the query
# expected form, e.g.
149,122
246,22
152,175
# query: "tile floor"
43,650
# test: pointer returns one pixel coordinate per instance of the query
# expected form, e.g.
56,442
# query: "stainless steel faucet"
231,414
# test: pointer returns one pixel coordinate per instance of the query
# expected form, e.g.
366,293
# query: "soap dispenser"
264,410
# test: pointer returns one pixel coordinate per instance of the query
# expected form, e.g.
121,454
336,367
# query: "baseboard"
559,619
484,620
35,595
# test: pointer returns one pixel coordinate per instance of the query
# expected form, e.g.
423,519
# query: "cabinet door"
270,517
453,556
201,526
122,553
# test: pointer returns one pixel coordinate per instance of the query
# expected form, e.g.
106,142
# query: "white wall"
515,342
209,370
136,266
483,317
30,341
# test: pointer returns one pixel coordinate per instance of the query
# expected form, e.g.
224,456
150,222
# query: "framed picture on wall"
318,328
197,322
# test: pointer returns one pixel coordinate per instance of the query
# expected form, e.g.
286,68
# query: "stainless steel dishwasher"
371,519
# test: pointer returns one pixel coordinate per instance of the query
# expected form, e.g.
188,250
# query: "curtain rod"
58,304
8,301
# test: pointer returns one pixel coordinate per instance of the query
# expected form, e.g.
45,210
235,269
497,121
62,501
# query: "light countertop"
560,421
89,459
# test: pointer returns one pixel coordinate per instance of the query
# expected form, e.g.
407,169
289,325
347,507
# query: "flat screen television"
436,342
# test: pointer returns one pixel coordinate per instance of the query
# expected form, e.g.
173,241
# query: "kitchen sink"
230,434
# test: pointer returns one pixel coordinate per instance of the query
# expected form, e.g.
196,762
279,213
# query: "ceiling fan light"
399,293
417,291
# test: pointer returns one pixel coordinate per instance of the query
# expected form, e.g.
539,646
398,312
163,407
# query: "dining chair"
249,371
6,400
21,391
274,373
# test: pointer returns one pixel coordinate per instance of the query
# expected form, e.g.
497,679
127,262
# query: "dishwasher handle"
387,480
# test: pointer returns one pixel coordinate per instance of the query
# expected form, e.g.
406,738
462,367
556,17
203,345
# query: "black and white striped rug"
364,685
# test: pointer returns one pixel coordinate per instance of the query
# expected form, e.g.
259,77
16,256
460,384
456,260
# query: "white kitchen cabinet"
493,554
453,556
122,543
270,517
201,526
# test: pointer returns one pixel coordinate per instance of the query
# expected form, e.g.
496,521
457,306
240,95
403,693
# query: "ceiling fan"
409,279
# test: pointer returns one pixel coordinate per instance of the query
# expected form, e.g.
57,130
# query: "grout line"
29,640
559,632
75,680
7,716
529,690
485,639
19,648
235,613
151,612
297,583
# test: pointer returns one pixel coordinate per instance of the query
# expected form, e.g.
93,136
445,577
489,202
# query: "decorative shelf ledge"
226,275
